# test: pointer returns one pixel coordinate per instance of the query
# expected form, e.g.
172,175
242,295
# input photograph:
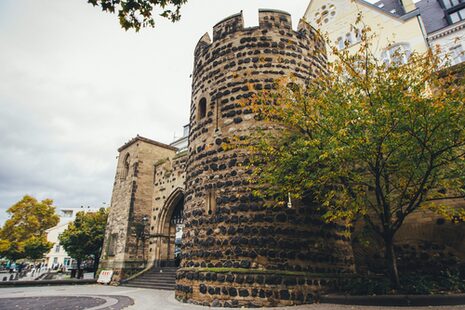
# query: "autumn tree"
23,235
137,14
367,139
84,237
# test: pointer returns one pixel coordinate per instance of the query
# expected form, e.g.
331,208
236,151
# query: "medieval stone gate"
235,251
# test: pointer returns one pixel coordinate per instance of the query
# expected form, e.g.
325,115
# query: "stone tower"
236,251
132,227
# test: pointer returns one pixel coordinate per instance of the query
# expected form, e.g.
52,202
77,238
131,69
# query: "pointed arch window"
126,164
397,53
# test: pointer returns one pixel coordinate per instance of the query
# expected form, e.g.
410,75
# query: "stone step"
160,278
155,287
156,276
154,279
152,282
164,270
158,272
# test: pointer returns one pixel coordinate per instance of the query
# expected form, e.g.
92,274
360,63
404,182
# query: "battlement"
228,25
268,19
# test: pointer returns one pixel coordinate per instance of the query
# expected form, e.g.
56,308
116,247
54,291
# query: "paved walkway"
99,297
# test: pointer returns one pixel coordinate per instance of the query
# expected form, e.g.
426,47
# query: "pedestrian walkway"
99,297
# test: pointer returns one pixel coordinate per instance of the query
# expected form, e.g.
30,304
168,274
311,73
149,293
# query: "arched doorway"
170,231
176,221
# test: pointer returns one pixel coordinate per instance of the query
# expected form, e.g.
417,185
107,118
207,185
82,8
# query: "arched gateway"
167,238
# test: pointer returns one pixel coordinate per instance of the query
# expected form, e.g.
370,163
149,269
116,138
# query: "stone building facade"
146,207
235,250
395,25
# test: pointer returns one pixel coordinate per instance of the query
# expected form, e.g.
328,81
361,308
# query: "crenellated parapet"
227,26
268,20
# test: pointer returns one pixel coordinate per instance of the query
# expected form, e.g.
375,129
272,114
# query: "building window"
185,131
340,43
325,13
457,16
57,248
457,54
211,201
126,167
67,213
450,3
350,38
398,53
154,174
202,108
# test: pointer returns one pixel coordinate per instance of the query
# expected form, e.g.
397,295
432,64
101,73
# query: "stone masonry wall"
168,187
236,251
426,243
126,246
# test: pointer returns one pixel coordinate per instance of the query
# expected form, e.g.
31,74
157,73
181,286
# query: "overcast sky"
74,87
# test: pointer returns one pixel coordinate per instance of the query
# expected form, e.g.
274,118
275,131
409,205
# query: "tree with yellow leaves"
23,235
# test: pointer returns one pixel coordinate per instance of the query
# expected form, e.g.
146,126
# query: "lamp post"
289,202
140,233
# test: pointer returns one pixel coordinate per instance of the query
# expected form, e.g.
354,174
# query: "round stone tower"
237,251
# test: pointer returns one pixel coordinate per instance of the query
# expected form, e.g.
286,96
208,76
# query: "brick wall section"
236,251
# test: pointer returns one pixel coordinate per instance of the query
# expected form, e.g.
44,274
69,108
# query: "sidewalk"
157,299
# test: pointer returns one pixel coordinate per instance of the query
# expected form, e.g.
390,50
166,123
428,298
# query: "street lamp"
140,233
140,227
289,202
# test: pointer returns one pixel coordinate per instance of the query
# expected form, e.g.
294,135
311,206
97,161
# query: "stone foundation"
242,287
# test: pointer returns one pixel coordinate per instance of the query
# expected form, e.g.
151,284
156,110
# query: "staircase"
163,278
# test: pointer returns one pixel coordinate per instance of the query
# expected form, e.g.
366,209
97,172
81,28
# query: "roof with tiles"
432,15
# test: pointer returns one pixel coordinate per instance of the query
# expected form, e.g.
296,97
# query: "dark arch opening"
202,108
126,166
173,227
177,221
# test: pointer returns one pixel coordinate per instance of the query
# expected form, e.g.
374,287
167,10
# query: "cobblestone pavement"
99,297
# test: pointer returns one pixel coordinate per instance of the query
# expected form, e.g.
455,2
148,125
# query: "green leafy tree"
23,235
367,140
137,14
36,246
83,238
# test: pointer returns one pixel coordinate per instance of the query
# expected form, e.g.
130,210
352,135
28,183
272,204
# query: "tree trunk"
96,262
391,262
78,276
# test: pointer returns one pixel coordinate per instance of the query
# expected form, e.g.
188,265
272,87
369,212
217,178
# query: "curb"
47,282
395,300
